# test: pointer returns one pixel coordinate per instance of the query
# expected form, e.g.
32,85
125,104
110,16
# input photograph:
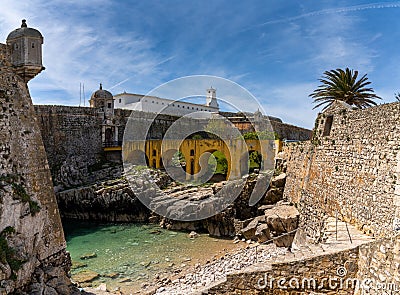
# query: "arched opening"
218,166
255,161
250,162
109,135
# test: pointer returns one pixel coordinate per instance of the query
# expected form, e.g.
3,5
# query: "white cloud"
79,49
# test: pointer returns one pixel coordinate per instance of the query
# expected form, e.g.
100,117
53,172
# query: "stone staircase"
340,250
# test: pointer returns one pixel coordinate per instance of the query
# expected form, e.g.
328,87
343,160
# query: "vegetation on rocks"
8,254
19,192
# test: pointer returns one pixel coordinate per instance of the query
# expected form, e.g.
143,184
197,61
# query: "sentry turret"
26,51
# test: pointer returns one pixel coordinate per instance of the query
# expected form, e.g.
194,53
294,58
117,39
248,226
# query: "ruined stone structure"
33,259
349,172
350,168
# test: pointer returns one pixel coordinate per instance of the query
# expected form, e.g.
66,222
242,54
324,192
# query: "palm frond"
344,85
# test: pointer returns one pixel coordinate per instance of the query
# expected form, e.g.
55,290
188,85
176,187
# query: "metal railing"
112,143
253,257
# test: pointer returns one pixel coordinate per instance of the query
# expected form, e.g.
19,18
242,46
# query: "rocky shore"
266,229
199,277
202,276
114,200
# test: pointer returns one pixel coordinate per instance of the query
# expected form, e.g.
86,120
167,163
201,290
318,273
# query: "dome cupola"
103,100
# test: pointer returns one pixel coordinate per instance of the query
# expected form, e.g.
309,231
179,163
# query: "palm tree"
343,85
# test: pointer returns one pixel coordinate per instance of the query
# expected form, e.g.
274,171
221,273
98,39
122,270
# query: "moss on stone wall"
8,254
19,191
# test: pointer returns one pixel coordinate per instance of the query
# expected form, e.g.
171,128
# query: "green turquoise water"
136,253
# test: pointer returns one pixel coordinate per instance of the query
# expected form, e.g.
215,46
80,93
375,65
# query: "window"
109,105
33,45
152,101
119,100
154,153
192,152
328,126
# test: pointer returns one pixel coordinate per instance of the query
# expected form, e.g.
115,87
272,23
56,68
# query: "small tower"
211,98
26,51
258,116
104,100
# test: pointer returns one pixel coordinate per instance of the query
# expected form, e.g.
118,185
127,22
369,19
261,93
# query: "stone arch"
255,160
221,165
109,135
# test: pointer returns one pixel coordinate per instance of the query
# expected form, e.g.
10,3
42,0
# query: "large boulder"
272,196
249,231
262,233
282,220
278,181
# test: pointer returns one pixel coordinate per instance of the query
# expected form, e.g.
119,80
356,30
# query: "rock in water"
88,256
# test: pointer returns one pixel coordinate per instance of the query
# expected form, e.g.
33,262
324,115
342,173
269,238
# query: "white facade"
153,104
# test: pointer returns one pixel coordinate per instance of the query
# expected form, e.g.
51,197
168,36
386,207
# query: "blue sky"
275,49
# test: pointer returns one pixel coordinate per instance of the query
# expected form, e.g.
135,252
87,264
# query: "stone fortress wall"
33,259
350,168
73,139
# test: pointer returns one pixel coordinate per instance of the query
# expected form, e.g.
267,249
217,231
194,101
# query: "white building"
153,104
